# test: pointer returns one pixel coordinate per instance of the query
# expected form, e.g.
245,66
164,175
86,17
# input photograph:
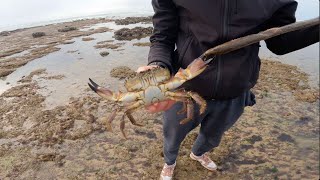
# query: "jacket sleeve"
292,41
165,22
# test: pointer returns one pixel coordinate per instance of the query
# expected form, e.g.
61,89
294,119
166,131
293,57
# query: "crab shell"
151,77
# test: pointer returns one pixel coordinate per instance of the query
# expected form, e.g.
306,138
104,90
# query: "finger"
140,69
154,108
151,109
144,68
162,105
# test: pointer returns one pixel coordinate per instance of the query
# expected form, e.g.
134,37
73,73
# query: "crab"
153,86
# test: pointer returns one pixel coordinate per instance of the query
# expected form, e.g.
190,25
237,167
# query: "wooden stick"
254,38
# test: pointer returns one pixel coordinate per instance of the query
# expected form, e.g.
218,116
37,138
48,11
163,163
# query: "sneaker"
205,161
167,172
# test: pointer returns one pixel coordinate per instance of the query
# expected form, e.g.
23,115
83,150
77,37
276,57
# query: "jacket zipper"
224,34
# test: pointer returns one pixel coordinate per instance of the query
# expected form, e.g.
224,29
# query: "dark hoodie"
194,26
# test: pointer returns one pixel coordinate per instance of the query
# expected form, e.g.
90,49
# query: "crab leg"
132,108
188,104
122,126
180,99
127,113
132,120
177,96
199,100
183,109
109,121
190,112
196,97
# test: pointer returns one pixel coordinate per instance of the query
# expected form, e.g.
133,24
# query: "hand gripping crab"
153,86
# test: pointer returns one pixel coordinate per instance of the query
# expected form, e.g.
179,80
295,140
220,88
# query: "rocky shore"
278,138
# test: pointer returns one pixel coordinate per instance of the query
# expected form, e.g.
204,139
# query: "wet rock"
135,33
87,39
304,120
46,157
142,44
5,72
32,74
56,77
106,41
248,161
273,169
122,72
91,118
151,135
253,139
133,20
307,95
285,138
67,42
158,120
38,34
246,146
67,29
4,33
104,53
133,148
10,52
108,46
72,51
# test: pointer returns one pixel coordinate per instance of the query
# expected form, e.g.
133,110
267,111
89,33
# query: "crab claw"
195,68
103,92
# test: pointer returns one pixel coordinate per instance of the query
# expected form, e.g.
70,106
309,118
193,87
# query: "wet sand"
52,126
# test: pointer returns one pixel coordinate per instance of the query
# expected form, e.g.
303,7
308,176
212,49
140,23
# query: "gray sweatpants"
219,116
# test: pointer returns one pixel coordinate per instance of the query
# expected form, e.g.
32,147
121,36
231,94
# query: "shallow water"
78,66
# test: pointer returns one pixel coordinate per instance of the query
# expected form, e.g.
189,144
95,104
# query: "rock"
142,44
246,146
4,33
285,138
135,33
307,95
38,34
151,135
253,139
68,42
133,20
104,53
5,72
108,46
304,120
122,72
87,39
67,29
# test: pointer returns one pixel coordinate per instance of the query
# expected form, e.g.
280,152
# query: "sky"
22,12
13,12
